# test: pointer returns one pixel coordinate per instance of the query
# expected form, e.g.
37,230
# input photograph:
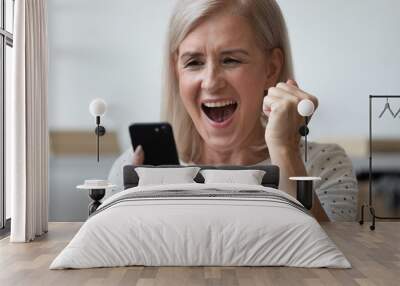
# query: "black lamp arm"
100,131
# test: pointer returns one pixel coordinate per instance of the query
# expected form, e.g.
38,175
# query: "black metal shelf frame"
370,205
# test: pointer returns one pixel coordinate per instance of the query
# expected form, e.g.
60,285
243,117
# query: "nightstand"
97,190
304,192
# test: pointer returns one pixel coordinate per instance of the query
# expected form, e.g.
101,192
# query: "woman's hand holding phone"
138,156
158,140
280,105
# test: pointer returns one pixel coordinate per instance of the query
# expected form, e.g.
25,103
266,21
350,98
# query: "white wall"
108,49
343,51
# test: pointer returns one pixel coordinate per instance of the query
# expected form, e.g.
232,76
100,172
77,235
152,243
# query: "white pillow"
248,177
162,176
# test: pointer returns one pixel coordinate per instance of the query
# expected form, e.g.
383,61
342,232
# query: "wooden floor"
375,257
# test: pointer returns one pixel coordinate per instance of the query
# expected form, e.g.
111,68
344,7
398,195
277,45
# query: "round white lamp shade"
98,107
305,107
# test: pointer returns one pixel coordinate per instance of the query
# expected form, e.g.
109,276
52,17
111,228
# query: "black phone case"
157,140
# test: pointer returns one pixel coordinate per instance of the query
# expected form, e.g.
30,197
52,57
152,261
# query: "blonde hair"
267,21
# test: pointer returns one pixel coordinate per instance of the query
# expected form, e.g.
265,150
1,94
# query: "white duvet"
183,231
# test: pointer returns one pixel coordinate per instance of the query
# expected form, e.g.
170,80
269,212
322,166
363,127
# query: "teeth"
219,104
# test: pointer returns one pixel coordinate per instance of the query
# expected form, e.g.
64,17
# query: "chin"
220,142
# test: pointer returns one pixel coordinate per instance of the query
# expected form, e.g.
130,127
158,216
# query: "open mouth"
219,111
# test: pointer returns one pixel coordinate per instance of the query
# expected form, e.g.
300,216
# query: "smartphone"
157,140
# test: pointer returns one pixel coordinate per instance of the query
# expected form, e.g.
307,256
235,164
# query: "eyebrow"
191,55
235,51
224,52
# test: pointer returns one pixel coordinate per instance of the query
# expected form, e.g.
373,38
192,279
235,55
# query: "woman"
231,99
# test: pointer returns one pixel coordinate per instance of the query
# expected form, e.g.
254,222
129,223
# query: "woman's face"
222,76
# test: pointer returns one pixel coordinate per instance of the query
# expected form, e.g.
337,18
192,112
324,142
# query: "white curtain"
26,123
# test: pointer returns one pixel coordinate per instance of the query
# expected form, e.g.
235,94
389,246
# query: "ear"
274,67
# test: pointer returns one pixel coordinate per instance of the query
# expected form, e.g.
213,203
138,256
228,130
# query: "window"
6,44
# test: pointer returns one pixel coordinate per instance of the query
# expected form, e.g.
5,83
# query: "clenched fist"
280,106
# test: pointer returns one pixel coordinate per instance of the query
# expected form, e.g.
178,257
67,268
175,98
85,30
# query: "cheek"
188,88
249,84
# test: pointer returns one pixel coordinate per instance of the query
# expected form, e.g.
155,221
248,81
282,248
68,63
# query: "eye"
193,64
231,61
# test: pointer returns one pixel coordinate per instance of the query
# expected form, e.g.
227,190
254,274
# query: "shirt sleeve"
338,188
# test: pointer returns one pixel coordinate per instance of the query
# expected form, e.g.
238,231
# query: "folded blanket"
206,194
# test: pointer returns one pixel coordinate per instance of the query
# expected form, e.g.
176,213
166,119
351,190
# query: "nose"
213,79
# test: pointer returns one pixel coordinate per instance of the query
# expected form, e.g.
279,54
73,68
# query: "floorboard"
374,255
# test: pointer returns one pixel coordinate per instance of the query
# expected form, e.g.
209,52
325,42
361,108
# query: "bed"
201,224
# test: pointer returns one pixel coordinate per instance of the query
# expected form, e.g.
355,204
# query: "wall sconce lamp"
98,108
305,108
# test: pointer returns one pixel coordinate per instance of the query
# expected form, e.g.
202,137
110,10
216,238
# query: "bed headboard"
270,179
